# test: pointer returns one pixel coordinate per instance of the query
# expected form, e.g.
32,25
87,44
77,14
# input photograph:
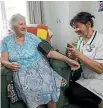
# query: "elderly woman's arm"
56,55
5,62
46,49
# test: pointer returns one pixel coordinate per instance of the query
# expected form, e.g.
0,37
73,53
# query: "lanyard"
81,41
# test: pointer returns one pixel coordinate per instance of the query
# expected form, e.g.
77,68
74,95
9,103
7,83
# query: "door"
59,23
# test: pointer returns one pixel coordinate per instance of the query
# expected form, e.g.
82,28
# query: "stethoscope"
89,47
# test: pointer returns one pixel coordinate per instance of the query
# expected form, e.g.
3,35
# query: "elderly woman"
35,81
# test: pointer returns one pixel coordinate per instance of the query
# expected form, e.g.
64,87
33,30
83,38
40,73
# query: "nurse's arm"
91,64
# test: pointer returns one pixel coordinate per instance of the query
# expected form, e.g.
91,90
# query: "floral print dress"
35,81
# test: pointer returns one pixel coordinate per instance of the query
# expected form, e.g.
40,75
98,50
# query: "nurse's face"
81,29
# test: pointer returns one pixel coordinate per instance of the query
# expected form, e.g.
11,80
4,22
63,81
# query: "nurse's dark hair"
84,18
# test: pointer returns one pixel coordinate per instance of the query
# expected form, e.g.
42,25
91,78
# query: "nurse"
88,90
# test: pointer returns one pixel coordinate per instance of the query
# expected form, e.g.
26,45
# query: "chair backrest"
40,30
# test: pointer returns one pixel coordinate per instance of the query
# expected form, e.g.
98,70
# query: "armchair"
40,30
6,76
62,68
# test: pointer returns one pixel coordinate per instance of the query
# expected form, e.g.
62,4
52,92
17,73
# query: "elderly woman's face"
20,27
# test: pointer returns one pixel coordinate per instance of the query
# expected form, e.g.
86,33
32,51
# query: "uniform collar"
92,38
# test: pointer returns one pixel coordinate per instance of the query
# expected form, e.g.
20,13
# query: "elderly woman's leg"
51,104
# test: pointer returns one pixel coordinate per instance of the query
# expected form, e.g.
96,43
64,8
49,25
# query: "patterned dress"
35,80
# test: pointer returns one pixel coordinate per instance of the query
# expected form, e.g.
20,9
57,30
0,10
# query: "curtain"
3,20
35,12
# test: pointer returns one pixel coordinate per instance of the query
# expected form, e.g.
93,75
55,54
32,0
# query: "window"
3,20
13,7
7,9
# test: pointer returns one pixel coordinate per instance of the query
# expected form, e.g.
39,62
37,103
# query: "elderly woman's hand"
74,65
13,66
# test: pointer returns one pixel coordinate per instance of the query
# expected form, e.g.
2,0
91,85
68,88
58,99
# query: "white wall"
74,8
92,7
60,24
47,17
66,10
62,31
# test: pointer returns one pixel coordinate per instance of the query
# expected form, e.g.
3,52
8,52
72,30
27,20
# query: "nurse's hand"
73,50
70,55
13,66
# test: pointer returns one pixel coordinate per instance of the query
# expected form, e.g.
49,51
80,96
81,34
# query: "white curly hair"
15,18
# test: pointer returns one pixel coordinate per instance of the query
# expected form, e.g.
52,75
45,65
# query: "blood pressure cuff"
44,47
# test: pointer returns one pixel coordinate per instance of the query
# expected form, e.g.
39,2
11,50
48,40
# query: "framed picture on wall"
100,6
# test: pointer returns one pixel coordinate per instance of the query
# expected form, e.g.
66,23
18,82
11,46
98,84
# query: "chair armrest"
6,71
58,64
61,68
